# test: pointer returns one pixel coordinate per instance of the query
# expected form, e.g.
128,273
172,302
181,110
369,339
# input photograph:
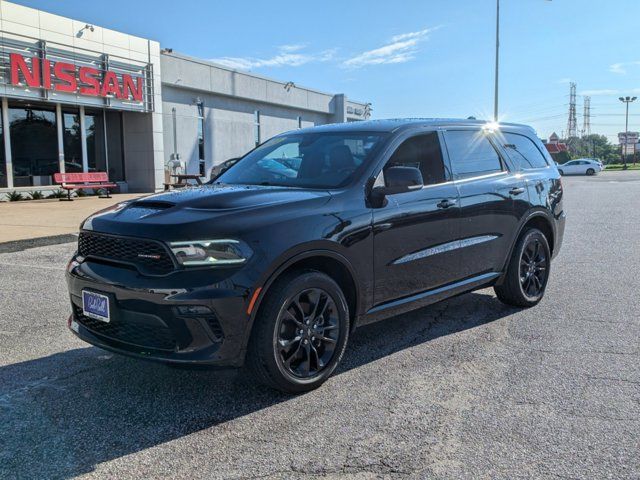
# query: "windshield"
306,160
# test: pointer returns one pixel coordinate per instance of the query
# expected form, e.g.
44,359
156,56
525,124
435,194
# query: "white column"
60,126
7,142
83,141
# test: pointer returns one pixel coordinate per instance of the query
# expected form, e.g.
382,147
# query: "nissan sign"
66,77
32,68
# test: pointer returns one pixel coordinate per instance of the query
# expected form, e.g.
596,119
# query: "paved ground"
42,218
465,389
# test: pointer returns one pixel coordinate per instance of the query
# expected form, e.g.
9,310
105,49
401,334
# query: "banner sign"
628,138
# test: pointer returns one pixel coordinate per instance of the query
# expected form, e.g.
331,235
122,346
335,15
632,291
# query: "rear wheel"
300,333
591,171
528,271
560,171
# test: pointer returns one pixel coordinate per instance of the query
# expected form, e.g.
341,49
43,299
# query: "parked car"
581,166
381,218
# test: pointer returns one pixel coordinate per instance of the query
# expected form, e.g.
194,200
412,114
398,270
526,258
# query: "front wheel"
300,332
528,271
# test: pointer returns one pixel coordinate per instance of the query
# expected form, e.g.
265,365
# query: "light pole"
626,100
495,92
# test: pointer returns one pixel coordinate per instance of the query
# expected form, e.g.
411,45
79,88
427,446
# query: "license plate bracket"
96,305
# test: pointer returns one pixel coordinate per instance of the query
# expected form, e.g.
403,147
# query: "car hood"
186,213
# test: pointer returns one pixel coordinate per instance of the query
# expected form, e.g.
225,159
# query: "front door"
413,231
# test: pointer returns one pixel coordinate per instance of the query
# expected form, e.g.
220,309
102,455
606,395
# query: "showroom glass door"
72,140
94,128
34,145
3,160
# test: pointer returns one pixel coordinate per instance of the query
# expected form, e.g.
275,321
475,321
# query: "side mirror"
400,180
397,180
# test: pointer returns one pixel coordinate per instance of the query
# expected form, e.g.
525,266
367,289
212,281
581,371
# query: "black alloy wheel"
307,331
533,268
525,280
300,332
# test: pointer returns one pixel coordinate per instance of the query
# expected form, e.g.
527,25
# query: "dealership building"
77,97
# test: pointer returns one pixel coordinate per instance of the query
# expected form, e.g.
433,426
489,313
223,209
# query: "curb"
19,245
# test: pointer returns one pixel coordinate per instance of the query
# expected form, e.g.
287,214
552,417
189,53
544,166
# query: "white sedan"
581,166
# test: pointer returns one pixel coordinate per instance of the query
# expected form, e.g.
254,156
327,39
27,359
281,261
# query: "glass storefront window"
33,131
114,146
94,125
72,142
34,146
3,160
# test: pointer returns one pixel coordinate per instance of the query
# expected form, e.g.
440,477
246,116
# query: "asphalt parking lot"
465,389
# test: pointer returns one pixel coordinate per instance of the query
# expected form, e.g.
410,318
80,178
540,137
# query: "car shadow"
63,414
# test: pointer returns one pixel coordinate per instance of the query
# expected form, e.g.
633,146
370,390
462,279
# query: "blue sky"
410,57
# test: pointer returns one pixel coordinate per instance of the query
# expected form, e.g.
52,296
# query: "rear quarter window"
523,152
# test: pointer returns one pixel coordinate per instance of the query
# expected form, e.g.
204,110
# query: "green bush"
14,196
57,194
35,195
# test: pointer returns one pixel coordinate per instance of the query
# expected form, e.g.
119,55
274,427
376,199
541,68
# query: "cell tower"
572,123
586,117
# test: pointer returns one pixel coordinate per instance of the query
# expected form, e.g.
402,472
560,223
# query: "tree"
595,146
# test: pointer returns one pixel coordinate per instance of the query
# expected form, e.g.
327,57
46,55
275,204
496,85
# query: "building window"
34,145
3,160
96,154
256,127
201,160
72,142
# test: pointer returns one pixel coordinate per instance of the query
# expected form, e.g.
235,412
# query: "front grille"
154,337
146,255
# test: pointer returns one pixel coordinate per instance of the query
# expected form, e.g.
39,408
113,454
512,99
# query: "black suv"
316,232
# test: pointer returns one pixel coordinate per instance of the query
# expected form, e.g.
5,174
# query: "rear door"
488,192
413,231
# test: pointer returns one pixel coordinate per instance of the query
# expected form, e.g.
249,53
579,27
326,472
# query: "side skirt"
419,300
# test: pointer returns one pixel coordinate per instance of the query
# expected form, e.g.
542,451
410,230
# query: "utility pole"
572,122
495,93
586,117
623,150
495,90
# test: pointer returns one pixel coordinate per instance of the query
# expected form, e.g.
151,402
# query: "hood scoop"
152,205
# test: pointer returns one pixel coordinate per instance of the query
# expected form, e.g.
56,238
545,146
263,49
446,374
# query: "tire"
285,351
560,171
591,171
525,280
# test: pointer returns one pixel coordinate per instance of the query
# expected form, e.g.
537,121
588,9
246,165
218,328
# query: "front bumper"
188,317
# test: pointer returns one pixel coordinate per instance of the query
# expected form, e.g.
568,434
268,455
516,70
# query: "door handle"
516,191
446,203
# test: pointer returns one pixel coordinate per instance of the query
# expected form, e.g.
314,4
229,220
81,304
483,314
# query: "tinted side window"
423,152
471,154
523,151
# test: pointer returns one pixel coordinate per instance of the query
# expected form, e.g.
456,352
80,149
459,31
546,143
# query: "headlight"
200,253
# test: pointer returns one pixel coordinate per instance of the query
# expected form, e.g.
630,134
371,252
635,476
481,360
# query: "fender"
525,219
275,273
